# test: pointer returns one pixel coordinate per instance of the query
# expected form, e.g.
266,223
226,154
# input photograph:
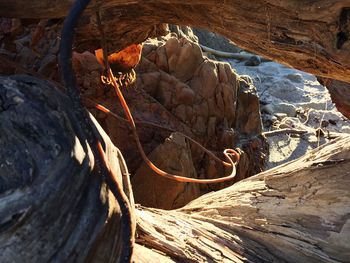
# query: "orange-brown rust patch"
124,60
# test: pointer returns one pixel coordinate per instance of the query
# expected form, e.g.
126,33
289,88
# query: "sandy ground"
293,99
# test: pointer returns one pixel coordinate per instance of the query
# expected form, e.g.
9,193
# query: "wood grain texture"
53,205
313,36
297,212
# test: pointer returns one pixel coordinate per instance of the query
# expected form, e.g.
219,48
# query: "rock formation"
60,210
179,89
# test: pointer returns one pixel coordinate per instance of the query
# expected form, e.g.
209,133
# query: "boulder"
178,89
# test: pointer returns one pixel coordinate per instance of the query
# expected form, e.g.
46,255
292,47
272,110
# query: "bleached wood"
297,212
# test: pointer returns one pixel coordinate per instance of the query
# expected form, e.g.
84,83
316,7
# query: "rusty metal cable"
109,112
111,79
171,176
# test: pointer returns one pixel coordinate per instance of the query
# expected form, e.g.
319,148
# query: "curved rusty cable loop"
111,78
210,153
227,152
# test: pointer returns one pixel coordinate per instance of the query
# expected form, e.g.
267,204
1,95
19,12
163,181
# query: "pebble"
268,120
253,61
268,108
286,108
345,129
280,116
324,123
333,122
295,77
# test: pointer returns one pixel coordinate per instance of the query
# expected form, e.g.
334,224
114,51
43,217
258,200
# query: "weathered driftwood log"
223,54
53,206
297,212
313,36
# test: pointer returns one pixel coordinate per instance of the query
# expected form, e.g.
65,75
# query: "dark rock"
248,120
173,156
333,122
324,123
253,61
180,90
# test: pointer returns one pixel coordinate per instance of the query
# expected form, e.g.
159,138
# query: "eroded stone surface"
204,99
177,88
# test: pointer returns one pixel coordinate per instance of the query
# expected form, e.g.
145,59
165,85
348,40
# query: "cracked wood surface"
313,36
53,206
297,212
49,210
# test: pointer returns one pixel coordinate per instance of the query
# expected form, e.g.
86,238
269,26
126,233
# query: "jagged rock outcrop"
177,89
173,155
180,89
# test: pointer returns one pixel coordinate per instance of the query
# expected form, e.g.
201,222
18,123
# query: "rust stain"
124,60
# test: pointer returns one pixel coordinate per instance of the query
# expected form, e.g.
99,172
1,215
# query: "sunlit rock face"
178,88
